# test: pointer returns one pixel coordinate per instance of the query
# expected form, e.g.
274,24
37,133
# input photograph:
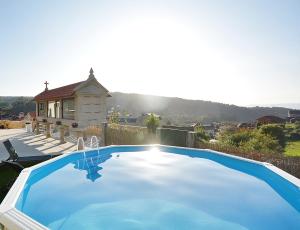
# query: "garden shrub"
251,140
201,134
262,143
152,122
275,131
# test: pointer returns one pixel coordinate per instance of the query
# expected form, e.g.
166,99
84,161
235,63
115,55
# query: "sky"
231,51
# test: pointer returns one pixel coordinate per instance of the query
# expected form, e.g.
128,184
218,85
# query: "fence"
128,135
288,164
93,130
173,137
134,135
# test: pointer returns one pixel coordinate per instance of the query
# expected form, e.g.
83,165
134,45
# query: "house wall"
90,105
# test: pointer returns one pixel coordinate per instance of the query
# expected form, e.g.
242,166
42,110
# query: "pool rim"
12,218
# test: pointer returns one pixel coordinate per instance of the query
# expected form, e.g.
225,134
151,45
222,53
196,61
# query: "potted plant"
74,125
58,122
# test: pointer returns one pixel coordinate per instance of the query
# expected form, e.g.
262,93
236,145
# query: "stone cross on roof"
46,83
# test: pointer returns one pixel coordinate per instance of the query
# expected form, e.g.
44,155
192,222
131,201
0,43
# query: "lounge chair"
14,157
17,163
14,165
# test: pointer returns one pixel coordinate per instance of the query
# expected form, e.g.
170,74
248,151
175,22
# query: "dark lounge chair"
14,157
17,164
14,165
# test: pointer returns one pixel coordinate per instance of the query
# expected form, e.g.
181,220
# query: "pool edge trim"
12,218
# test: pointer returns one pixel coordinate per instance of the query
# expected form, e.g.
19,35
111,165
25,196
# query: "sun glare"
164,51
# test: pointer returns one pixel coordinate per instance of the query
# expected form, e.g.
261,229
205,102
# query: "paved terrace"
29,144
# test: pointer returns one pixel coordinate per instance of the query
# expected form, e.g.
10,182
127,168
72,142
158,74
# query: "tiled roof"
61,92
270,119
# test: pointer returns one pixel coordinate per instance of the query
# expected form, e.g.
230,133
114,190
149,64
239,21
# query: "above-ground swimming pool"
152,187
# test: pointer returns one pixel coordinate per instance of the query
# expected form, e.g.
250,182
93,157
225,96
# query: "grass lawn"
292,148
6,176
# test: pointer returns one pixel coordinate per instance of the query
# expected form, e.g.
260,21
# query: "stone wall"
91,110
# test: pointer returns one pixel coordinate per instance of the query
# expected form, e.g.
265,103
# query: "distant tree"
275,131
235,138
251,140
292,131
297,125
152,122
22,105
114,118
201,134
3,105
262,143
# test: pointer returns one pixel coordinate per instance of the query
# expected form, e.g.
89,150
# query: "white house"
83,103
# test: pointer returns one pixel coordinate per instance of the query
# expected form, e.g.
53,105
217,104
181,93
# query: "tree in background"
292,131
275,131
4,109
201,134
251,140
262,143
152,122
114,118
236,137
22,104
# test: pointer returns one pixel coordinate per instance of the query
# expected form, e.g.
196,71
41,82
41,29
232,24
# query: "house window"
51,109
68,109
41,109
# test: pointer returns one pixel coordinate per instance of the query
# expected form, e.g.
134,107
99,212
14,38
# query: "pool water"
159,188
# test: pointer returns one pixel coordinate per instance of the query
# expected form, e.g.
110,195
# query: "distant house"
83,103
269,120
128,120
21,115
186,128
246,125
209,129
294,115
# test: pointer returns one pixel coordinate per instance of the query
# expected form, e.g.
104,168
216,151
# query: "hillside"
179,110
172,109
16,104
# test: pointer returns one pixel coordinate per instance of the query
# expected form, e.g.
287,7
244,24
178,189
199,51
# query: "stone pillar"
158,135
48,130
37,128
190,140
62,134
104,132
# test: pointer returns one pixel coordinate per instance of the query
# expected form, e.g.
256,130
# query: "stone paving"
29,144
